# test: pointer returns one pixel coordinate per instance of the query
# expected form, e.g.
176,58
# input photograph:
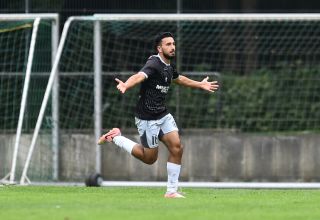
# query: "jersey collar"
158,55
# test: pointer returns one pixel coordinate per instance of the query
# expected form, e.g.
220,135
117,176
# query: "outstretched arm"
131,82
204,84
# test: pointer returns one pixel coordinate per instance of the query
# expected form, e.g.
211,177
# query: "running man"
152,118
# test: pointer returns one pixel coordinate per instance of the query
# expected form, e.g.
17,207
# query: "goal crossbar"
18,17
208,17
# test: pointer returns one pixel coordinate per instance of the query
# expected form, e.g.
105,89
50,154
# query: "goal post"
24,97
44,103
19,34
267,65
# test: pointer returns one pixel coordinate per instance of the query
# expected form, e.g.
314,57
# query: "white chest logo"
164,89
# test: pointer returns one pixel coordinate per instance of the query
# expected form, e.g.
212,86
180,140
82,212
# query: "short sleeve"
149,68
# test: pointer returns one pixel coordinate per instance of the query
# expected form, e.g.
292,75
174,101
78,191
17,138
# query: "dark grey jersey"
154,89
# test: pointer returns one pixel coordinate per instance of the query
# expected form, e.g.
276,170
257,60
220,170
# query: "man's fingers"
214,86
118,80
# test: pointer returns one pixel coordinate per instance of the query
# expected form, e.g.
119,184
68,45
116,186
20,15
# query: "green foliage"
271,100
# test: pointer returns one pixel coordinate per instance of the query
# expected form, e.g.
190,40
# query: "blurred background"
75,7
68,8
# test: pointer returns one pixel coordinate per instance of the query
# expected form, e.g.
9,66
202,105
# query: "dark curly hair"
159,37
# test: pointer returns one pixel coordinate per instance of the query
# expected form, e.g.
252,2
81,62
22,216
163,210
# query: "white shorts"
151,130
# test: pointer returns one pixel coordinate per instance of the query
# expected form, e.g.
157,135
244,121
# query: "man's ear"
159,49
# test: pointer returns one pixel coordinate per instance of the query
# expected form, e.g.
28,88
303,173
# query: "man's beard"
167,56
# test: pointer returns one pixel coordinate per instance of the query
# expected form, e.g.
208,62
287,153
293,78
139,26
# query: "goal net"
267,67
25,51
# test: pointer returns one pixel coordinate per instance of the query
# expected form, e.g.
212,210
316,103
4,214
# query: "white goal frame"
97,18
10,177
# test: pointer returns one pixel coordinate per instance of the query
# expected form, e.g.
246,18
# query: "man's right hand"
122,87
132,81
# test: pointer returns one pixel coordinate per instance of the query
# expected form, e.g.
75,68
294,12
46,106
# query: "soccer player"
152,118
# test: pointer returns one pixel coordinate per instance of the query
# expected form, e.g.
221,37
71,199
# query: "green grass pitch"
76,203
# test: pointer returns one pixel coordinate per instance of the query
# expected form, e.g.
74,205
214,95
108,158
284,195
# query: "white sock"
173,176
124,143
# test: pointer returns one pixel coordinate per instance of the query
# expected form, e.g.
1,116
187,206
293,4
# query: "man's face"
167,47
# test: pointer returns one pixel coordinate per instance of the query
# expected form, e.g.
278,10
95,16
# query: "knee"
177,149
151,161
